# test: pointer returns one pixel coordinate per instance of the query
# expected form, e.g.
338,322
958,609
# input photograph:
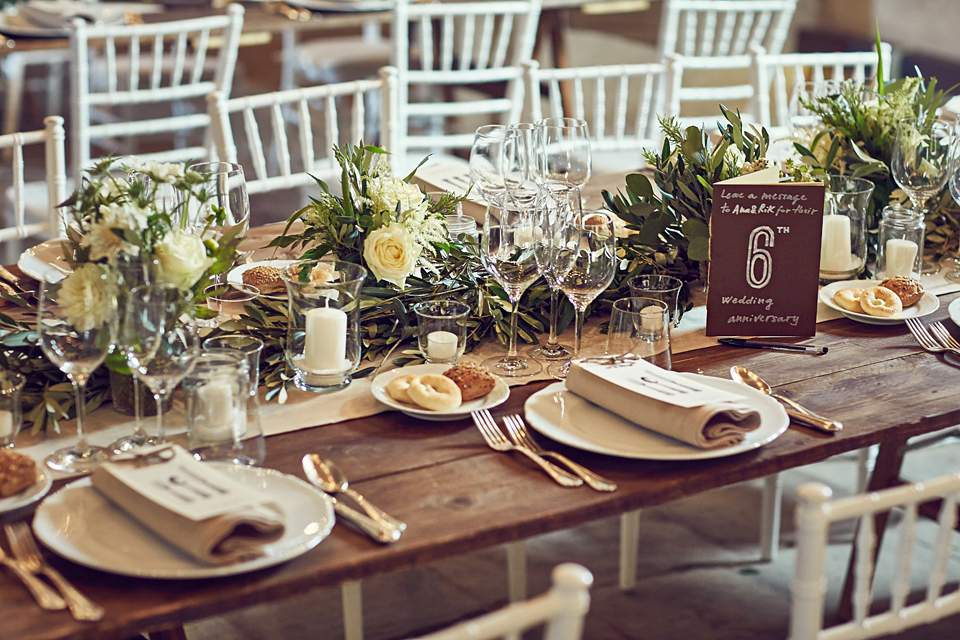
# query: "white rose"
87,300
183,258
391,253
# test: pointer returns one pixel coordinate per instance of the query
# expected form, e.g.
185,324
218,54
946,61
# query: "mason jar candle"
900,242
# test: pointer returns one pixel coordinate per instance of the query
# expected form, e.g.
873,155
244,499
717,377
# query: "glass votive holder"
659,287
223,421
441,330
227,300
843,239
11,415
248,345
900,242
640,327
323,324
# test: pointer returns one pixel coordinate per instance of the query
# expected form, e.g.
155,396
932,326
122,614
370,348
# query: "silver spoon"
794,410
331,479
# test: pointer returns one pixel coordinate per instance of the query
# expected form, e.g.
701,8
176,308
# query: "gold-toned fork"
26,552
925,339
498,442
520,436
944,338
45,596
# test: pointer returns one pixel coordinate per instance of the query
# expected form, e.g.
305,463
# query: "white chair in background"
445,55
616,101
253,130
16,224
14,80
560,611
809,586
730,85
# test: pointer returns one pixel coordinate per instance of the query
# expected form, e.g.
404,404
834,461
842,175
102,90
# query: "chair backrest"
723,27
442,48
253,130
776,76
145,68
872,617
616,101
51,137
560,610
730,84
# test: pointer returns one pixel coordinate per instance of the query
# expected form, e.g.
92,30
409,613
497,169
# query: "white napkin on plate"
663,401
56,14
193,506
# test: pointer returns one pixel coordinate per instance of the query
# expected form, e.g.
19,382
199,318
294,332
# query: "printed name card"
764,256
649,380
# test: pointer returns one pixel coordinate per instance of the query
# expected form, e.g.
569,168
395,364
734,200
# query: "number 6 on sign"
755,254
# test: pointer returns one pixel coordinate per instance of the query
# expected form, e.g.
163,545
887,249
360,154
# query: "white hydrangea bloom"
87,299
102,238
168,172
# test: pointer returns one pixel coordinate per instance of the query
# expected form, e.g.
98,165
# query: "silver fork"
520,436
943,337
46,597
923,336
498,442
25,550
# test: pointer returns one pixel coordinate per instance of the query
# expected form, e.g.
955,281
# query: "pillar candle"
835,247
6,424
899,256
326,339
441,345
216,412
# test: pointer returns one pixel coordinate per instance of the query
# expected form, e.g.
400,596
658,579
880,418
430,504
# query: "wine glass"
224,192
565,149
954,182
507,250
166,312
520,165
559,206
77,324
920,162
586,261
486,158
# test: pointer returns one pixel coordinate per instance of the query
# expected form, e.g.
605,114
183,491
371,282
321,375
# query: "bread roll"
880,302
474,381
17,472
909,290
267,279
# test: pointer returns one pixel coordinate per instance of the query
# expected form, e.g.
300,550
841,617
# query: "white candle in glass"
836,252
523,236
651,319
325,346
441,345
6,424
216,421
899,255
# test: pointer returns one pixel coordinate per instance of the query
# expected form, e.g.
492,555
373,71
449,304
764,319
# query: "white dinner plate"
954,310
497,396
43,24
29,495
45,261
81,525
568,418
235,275
923,307
344,6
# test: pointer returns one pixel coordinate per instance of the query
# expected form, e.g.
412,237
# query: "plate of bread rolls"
888,301
440,392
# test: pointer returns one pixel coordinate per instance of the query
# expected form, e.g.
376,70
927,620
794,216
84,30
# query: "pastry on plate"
474,381
849,299
909,290
880,302
17,472
266,278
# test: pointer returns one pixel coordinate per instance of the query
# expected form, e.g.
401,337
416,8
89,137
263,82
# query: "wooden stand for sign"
764,256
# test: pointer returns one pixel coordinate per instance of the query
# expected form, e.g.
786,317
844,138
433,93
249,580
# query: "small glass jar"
843,245
458,224
900,242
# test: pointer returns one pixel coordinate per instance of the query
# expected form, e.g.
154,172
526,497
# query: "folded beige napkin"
196,508
665,402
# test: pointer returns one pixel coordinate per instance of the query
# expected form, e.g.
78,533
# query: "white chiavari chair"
446,56
16,224
904,588
697,85
560,611
14,79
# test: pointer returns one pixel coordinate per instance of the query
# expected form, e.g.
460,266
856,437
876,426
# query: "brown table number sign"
764,256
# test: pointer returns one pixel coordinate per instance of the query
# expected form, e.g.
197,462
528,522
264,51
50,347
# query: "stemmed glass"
507,250
225,191
954,181
586,261
77,324
559,206
565,149
161,362
486,159
920,162
521,164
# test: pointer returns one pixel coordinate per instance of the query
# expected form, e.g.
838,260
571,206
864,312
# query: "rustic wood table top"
457,495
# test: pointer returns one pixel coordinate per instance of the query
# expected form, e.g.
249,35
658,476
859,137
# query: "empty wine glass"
77,325
224,195
953,275
586,263
520,165
559,206
168,313
507,250
920,162
486,159
565,149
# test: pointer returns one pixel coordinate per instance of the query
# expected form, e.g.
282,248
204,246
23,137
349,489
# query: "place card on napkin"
665,402
209,515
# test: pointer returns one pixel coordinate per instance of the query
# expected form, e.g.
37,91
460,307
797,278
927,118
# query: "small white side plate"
923,307
29,495
954,310
497,396
45,261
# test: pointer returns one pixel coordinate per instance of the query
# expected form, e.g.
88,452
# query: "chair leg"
629,544
352,610
866,459
517,571
770,517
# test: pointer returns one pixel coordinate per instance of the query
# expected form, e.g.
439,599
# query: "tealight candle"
217,411
651,319
836,251
6,424
325,345
899,256
441,345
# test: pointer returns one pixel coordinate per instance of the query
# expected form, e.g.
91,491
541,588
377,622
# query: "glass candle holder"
248,345
11,416
323,324
843,245
900,242
441,330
